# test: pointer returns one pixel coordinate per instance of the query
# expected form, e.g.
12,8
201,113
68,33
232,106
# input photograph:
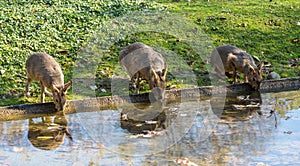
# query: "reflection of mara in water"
234,135
204,132
237,106
245,133
143,118
48,132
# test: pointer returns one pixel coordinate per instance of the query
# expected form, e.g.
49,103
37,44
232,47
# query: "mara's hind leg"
43,89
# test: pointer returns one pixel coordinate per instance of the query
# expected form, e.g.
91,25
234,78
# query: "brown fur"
142,62
54,137
42,68
227,58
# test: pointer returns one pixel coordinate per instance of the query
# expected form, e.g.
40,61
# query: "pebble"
273,75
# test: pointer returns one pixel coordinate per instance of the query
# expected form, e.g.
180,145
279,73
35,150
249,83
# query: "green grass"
268,30
57,27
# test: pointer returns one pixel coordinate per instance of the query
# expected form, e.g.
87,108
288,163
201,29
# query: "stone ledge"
24,111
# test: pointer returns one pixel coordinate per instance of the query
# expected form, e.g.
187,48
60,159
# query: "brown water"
252,129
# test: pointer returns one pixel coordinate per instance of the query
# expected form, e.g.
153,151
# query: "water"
252,129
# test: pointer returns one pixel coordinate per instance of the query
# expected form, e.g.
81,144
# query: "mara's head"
158,83
60,96
255,75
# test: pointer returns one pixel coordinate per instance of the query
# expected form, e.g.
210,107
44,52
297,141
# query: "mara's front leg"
43,89
137,85
48,93
234,75
246,77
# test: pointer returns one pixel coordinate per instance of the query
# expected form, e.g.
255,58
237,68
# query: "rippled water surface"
252,129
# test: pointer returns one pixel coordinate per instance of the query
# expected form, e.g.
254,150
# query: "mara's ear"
67,86
164,71
249,69
260,66
153,73
54,88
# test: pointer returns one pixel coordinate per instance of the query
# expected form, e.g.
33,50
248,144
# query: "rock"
273,75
